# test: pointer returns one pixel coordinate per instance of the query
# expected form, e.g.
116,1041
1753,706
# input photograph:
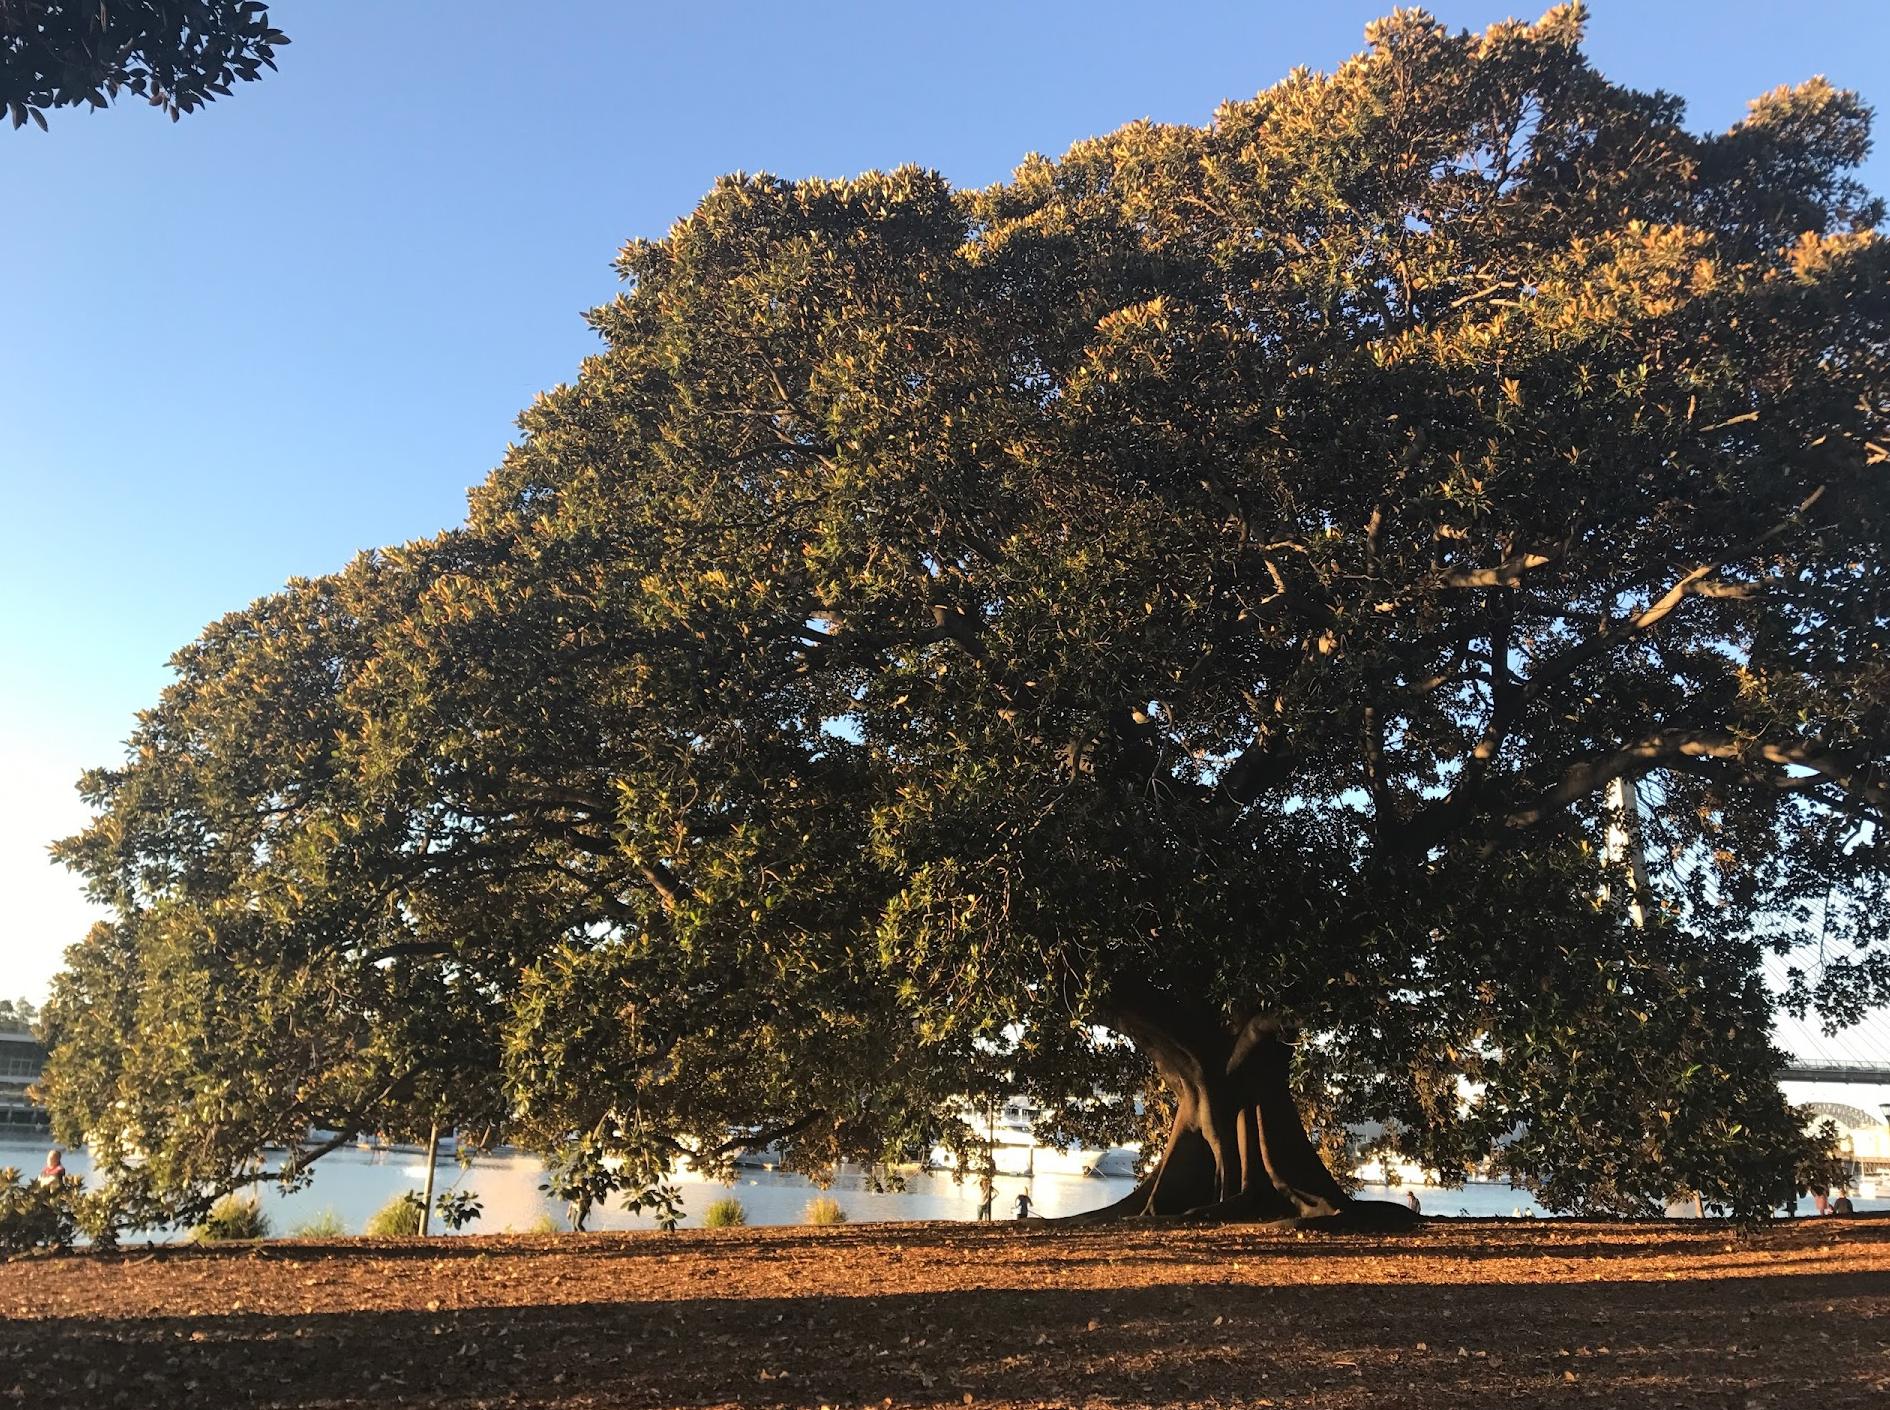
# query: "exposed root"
1359,1216
1267,1208
1253,1207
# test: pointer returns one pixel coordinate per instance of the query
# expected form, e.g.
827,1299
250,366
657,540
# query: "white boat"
1393,1171
377,1146
758,1157
1015,1149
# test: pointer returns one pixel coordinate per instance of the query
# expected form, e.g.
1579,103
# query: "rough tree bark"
1237,1149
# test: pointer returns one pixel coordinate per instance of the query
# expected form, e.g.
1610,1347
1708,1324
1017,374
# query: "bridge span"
1860,1071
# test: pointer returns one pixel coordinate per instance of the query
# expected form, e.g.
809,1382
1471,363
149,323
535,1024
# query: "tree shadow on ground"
1814,1339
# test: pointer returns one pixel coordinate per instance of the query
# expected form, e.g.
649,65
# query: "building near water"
22,1056
1863,1140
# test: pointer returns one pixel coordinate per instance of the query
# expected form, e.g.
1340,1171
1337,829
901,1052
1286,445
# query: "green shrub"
545,1224
821,1210
725,1214
399,1218
33,1215
231,1218
326,1225
101,1215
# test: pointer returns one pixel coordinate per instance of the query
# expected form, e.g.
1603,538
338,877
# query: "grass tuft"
399,1218
326,1225
233,1217
824,1211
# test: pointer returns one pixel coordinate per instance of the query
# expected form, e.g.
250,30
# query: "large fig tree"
1221,590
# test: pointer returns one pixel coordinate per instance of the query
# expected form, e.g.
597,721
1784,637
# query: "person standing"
54,1171
1022,1205
987,1193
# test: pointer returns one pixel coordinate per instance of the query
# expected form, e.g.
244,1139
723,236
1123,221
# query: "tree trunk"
1237,1149
433,1158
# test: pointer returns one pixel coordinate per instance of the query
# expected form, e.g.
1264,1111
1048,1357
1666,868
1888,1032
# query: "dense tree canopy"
177,54
1202,590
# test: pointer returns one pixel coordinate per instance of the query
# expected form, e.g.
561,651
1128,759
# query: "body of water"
352,1184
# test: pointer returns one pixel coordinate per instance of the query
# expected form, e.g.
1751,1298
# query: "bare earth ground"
1458,1314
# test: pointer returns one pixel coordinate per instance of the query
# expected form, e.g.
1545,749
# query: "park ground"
1459,1314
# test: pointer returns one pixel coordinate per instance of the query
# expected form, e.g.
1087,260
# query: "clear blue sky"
300,322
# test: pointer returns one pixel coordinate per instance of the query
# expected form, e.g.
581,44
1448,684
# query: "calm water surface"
352,1184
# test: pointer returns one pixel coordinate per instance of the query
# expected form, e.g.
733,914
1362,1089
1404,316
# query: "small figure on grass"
1022,1205
987,1195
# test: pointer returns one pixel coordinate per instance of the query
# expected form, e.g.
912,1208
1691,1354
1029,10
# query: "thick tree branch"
1172,1029
1861,780
299,1158
768,1135
1695,582
1452,669
1507,574
1436,820
672,888
1372,727
422,948
1258,768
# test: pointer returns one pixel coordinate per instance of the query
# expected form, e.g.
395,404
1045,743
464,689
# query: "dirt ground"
1461,1313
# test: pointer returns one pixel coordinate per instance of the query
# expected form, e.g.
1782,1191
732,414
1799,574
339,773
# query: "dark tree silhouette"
178,54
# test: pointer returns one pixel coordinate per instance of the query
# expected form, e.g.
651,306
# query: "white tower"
1623,847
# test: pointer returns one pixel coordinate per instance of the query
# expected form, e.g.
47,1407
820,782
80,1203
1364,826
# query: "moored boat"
1010,1130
